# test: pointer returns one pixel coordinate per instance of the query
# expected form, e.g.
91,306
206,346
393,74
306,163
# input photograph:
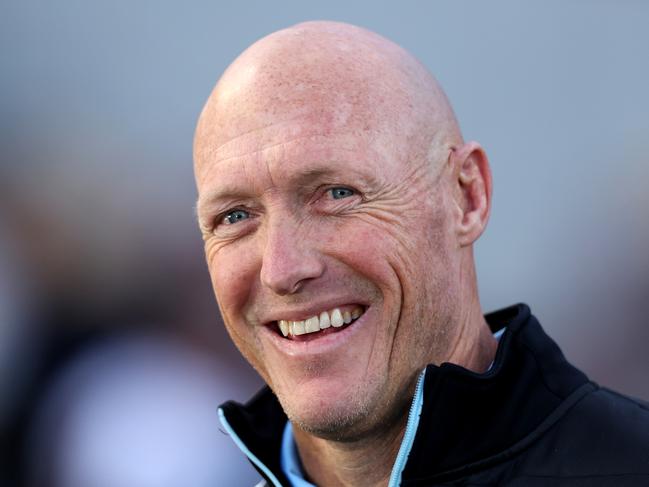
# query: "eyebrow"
301,178
204,200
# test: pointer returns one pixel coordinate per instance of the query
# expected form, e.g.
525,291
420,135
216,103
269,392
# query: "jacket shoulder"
604,434
605,418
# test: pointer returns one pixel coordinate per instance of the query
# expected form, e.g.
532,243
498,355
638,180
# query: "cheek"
365,248
232,274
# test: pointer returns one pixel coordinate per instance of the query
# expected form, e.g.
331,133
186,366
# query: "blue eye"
235,216
340,193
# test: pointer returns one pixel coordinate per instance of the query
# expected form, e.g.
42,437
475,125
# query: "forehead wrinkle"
261,150
312,133
236,140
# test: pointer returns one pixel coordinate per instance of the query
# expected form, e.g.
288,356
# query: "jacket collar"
470,419
527,384
257,427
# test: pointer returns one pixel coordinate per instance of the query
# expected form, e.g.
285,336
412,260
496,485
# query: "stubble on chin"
358,416
339,420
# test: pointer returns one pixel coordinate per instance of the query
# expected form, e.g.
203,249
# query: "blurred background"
113,358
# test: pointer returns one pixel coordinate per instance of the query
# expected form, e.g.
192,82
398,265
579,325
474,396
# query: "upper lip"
305,312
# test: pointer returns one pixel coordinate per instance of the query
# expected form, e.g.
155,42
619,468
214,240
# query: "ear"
472,191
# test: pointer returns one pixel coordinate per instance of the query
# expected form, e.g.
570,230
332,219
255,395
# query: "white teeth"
283,326
298,328
324,320
336,318
312,324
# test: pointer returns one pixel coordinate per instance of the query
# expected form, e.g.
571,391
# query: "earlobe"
473,180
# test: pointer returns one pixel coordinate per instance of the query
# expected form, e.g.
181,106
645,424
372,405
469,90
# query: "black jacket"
532,420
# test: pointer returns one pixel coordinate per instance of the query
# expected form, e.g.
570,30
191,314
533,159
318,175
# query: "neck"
364,462
474,346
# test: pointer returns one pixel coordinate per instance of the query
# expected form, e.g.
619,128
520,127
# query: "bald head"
345,78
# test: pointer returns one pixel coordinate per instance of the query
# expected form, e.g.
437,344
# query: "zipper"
409,434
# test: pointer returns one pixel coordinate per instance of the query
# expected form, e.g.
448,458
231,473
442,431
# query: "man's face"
312,213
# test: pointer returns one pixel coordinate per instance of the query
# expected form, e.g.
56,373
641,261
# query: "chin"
344,424
346,418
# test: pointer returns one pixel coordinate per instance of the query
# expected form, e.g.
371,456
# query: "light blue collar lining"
290,459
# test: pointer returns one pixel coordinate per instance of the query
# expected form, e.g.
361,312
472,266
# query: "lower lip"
322,342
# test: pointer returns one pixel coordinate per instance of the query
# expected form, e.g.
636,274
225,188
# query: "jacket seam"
626,398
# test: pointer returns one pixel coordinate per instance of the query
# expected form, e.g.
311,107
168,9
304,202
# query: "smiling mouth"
326,322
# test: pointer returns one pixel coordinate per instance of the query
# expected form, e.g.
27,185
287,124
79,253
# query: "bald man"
339,205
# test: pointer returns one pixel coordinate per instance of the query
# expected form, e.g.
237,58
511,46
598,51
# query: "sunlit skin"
331,172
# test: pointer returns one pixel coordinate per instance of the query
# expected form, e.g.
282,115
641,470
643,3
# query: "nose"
289,260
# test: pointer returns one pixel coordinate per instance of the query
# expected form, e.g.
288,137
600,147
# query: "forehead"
262,101
292,153
232,126
265,124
